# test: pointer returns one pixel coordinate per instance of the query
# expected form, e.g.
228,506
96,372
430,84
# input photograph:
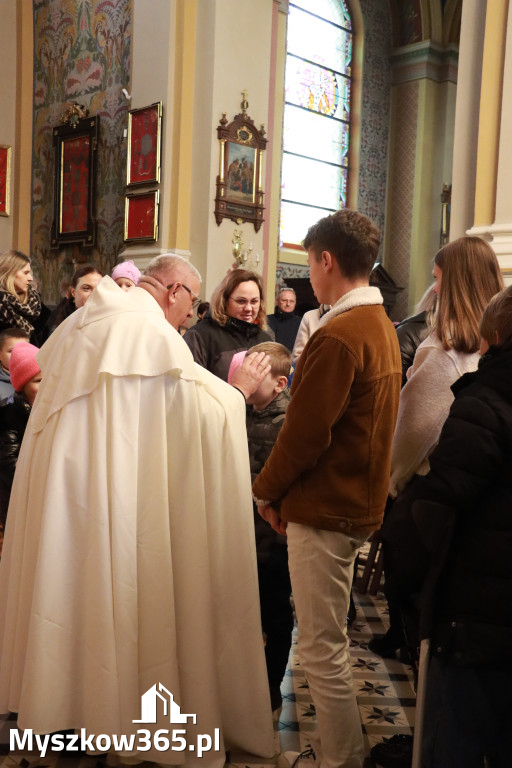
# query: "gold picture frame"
5,179
144,145
141,216
75,144
239,183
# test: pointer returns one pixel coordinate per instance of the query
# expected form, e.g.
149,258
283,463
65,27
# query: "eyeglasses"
242,302
196,300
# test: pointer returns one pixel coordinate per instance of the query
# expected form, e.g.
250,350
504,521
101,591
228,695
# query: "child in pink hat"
25,378
126,275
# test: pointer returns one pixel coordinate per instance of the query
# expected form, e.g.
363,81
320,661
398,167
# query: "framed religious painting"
5,180
75,144
239,183
141,216
144,145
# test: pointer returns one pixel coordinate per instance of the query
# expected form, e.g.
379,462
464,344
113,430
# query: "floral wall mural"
81,53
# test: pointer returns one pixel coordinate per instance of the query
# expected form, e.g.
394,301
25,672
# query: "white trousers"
321,569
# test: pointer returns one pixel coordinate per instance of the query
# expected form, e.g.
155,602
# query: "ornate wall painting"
144,145
239,183
75,144
5,180
141,216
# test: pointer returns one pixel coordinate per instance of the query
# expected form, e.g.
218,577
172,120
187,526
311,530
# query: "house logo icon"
148,706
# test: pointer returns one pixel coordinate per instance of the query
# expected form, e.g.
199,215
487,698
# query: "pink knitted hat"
126,269
22,364
236,362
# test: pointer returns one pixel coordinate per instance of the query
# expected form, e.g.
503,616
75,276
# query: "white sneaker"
305,758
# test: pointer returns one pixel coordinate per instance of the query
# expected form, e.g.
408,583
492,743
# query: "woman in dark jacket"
235,321
415,329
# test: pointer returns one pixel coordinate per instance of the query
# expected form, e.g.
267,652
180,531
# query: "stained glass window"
316,126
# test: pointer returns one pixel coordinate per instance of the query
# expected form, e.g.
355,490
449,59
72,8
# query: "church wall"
81,53
233,53
375,111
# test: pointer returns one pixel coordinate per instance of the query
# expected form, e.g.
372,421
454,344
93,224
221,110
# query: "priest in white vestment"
129,556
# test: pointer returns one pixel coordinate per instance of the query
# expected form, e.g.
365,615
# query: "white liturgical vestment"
129,557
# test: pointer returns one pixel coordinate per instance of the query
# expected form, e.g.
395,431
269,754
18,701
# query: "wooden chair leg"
377,573
362,583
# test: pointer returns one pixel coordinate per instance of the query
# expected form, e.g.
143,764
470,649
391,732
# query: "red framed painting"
5,180
144,145
75,151
141,216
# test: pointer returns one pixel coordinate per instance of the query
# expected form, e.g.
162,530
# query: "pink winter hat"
22,365
236,362
126,269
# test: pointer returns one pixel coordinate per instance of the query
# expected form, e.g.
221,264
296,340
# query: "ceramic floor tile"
384,689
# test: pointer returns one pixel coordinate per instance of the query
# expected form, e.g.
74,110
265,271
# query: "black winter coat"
285,326
13,421
213,345
411,332
470,477
262,430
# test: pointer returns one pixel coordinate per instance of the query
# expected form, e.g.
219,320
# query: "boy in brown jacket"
325,482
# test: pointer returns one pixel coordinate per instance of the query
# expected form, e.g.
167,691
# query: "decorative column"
423,107
466,117
493,216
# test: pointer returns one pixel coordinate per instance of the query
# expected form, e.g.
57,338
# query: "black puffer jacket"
470,478
285,326
13,421
411,332
213,345
262,430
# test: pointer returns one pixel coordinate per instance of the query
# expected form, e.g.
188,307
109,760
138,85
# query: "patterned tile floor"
385,696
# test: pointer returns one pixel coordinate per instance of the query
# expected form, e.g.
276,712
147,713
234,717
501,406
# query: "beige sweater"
425,402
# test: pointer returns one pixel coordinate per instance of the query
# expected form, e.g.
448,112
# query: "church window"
316,127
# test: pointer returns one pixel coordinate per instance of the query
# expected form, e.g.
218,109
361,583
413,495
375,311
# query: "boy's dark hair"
12,333
280,357
351,238
497,318
202,307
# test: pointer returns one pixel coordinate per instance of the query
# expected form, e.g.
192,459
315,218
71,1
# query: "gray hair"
167,262
285,288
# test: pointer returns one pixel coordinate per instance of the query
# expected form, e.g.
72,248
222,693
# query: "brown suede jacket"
330,465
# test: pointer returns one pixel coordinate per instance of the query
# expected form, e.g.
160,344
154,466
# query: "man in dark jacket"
284,322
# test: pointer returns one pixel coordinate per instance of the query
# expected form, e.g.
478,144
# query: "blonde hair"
470,278
10,264
220,296
497,319
280,357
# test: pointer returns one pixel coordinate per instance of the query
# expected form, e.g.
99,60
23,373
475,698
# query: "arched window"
316,115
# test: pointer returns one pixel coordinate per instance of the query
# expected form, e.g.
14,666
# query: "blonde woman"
235,321
20,305
467,276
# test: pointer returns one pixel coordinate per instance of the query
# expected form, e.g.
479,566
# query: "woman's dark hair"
67,305
82,271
